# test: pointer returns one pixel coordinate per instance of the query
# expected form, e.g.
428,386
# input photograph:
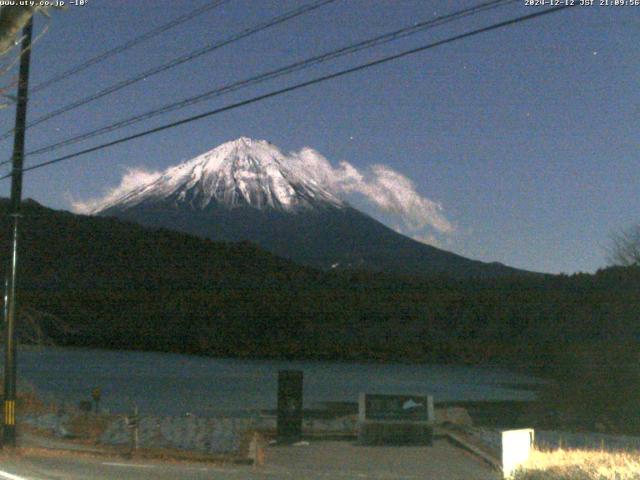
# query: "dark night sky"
527,137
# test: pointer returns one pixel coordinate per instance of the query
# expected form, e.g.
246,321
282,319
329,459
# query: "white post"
516,449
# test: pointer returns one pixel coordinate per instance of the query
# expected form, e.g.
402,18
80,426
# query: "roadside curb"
468,443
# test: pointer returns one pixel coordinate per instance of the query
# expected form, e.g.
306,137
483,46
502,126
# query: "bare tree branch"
624,249
12,19
12,62
15,61
37,327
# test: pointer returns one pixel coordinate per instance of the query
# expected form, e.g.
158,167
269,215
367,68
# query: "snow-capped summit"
247,190
242,172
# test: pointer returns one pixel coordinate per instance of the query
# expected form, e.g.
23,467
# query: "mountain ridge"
248,190
242,172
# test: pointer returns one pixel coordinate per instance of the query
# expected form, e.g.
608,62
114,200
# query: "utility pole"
9,427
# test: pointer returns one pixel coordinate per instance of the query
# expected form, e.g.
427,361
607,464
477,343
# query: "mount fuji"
247,190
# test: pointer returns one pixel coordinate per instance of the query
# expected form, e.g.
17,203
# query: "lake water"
172,384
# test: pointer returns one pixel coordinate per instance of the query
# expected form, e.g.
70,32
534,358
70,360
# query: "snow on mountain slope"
247,190
243,172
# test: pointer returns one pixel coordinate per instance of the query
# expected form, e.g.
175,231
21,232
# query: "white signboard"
516,448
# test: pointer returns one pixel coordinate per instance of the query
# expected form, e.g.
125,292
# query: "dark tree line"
120,286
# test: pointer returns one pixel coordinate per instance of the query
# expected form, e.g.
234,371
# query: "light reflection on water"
172,384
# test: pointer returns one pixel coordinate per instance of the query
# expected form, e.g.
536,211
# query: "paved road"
318,461
343,460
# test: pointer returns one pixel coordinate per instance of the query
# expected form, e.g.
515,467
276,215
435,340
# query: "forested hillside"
118,285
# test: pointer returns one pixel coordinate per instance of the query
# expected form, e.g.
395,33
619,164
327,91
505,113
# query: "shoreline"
497,365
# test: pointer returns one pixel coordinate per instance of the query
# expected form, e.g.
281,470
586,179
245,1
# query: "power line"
288,69
291,68
127,45
298,86
178,61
